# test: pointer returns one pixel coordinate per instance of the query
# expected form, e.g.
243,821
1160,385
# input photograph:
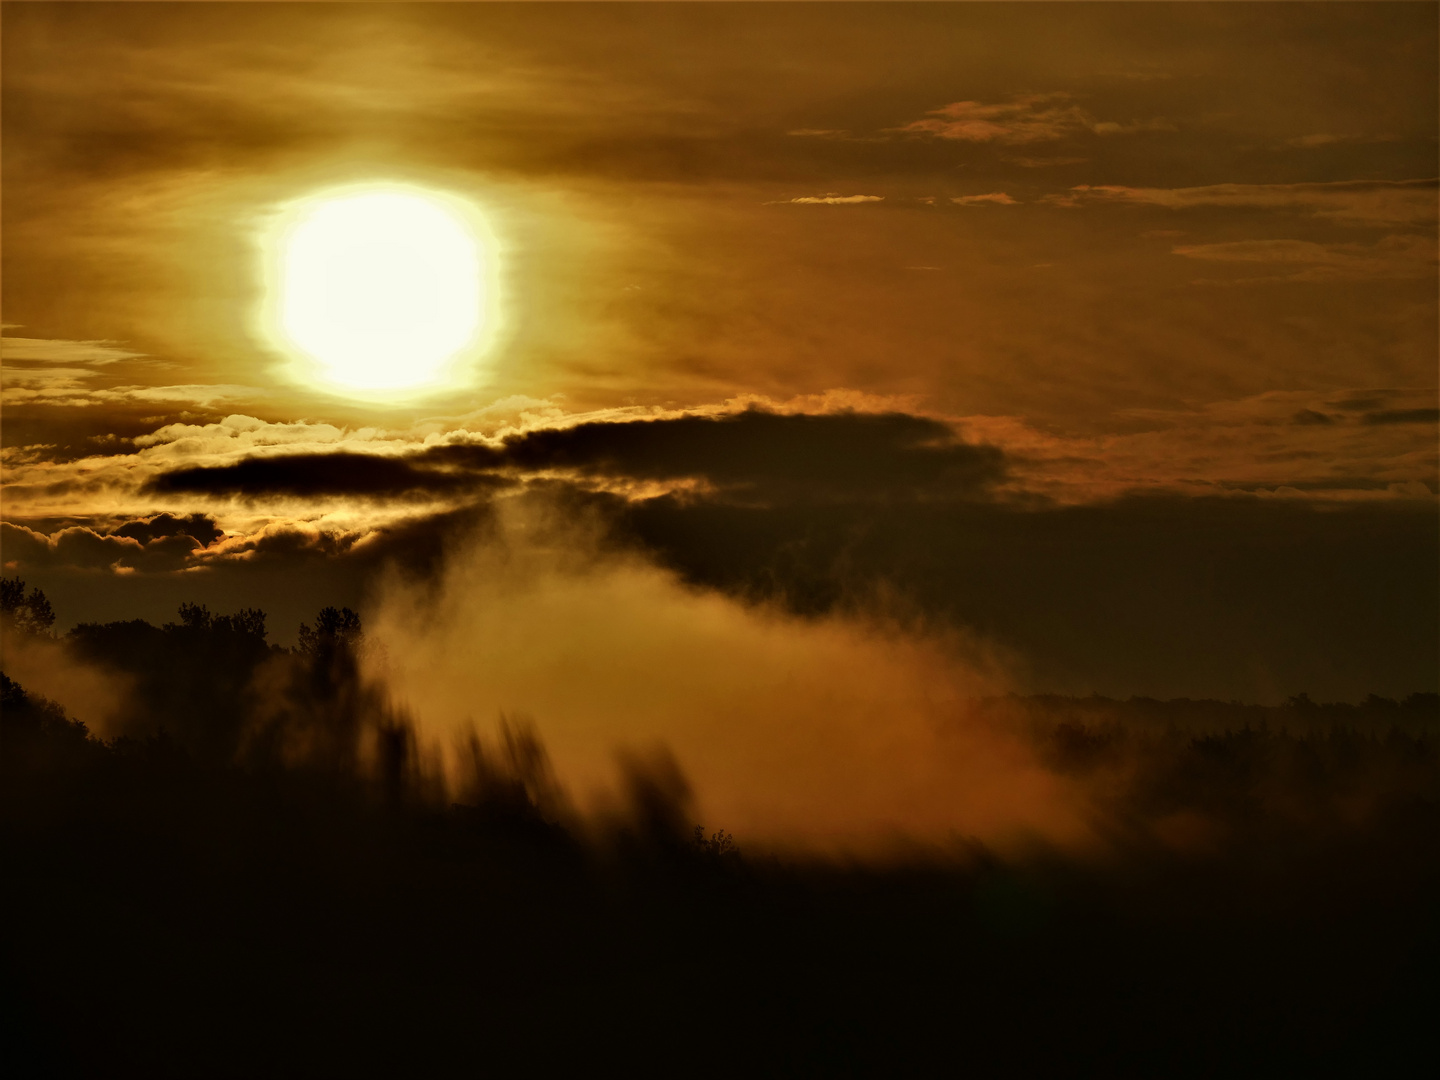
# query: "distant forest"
258,876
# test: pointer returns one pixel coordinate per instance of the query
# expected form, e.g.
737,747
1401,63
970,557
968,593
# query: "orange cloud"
1029,118
996,197
835,199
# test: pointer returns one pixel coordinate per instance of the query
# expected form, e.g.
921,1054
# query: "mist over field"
351,830
839,730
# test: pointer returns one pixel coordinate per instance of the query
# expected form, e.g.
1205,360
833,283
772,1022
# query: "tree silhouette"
268,849
30,614
247,621
334,628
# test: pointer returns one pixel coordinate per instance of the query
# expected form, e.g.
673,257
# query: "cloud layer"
1028,118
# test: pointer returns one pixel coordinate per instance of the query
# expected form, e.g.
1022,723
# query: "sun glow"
382,289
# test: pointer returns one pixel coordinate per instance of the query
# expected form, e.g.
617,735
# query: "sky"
1102,336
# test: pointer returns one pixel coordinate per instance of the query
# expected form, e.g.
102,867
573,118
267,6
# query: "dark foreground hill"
1267,901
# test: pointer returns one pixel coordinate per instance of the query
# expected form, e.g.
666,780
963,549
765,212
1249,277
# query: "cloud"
113,478
241,432
767,454
1111,127
1403,416
48,370
76,546
1118,595
166,544
1349,202
830,199
750,454
45,371
337,473
47,351
195,393
65,392
161,542
1042,162
197,526
286,541
1392,257
997,197
833,448
414,544
1306,441
43,379
1029,118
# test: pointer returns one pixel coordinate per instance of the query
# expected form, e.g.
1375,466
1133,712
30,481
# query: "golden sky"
1096,281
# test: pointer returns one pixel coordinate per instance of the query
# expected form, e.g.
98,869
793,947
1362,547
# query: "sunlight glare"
382,289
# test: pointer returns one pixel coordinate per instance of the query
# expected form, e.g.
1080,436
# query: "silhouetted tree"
26,717
193,678
315,706
1259,927
29,614
719,845
333,628
247,621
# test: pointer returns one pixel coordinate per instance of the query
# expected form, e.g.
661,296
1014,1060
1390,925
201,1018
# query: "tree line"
257,875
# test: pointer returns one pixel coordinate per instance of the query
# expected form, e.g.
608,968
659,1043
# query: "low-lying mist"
842,732
98,693
856,733
344,848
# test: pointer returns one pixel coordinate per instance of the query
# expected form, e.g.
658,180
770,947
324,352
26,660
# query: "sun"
381,289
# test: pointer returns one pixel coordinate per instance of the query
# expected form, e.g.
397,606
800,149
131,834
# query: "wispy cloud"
1361,445
995,197
1029,118
1350,202
830,198
44,378
46,351
60,388
47,371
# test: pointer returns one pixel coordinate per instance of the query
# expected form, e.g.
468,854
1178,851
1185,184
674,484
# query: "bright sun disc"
382,289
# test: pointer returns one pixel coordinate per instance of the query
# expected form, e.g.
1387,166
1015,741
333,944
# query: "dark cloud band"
314,475
753,454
